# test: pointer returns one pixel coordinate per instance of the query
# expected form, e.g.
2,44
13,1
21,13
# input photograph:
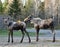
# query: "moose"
42,24
20,25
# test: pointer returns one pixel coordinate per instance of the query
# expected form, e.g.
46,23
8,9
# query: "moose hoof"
20,41
36,40
8,41
30,41
53,41
12,41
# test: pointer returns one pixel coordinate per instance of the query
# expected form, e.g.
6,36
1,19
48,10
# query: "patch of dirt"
41,43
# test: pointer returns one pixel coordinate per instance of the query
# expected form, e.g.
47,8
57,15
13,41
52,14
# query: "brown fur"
45,26
16,26
42,24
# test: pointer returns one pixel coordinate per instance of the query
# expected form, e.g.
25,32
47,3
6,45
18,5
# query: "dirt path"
43,42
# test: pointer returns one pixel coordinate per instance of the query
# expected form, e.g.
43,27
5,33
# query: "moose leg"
11,35
37,30
54,37
22,36
28,36
53,32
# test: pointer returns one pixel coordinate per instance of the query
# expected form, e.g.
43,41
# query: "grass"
57,27
18,33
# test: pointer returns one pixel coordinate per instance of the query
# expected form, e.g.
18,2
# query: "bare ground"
43,42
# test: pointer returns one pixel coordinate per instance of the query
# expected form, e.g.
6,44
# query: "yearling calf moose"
42,24
16,26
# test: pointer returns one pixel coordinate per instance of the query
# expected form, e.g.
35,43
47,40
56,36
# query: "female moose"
42,24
